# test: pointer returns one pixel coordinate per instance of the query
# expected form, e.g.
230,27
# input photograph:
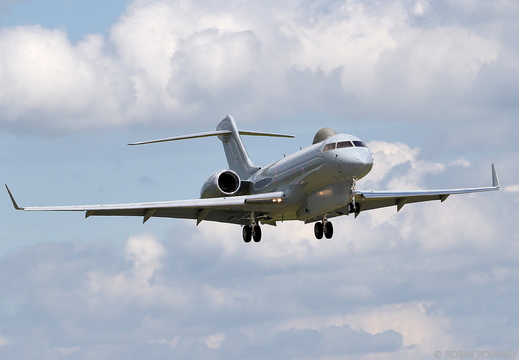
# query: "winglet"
12,199
495,179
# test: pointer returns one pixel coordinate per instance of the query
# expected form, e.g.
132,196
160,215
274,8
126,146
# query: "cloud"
51,85
419,330
184,61
213,341
512,188
389,285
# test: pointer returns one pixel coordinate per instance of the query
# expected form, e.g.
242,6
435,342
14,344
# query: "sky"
431,86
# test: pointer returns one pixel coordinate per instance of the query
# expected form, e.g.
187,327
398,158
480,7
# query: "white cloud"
389,285
213,341
386,289
145,253
138,285
3,341
387,156
512,188
421,329
183,60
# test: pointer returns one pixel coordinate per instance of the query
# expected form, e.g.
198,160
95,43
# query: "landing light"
264,201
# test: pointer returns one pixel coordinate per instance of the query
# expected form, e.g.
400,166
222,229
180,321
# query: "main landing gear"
353,207
323,228
326,228
252,231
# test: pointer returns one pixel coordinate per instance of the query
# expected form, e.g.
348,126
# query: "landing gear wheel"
256,233
247,233
328,230
351,208
318,230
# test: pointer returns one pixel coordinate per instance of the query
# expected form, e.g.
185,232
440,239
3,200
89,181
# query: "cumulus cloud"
435,276
387,286
182,61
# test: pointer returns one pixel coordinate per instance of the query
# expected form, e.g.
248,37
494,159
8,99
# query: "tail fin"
237,156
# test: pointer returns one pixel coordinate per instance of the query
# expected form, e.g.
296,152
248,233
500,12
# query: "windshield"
344,144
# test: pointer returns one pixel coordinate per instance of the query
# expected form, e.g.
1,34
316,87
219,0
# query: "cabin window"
330,146
344,144
359,143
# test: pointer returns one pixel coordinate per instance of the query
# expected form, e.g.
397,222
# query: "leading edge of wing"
243,202
381,194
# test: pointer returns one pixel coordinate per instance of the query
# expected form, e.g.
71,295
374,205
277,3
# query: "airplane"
312,185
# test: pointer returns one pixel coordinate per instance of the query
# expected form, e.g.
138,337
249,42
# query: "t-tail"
235,151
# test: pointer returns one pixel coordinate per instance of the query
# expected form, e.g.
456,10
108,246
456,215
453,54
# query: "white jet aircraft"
312,185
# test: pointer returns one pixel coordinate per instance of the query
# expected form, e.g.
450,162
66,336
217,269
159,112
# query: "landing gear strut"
353,206
323,228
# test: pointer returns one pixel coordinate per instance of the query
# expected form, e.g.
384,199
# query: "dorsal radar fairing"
323,134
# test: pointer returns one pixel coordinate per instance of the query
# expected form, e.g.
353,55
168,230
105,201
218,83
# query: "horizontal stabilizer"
212,133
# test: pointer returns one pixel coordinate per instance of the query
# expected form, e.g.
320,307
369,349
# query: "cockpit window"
344,144
359,143
330,146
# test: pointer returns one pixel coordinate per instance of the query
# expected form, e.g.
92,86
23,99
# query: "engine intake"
221,183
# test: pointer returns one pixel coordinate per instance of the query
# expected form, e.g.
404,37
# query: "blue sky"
431,86
77,17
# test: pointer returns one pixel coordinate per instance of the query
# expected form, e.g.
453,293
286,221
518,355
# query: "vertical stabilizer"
237,156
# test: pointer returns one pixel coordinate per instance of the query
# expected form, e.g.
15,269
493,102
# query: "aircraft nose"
357,163
362,160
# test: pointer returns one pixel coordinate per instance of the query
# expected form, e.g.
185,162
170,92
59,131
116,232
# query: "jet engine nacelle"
221,183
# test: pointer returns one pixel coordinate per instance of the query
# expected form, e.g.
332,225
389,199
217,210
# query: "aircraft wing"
374,199
235,209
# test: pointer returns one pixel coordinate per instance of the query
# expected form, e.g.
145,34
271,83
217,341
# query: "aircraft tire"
351,208
357,207
256,234
247,233
328,230
318,230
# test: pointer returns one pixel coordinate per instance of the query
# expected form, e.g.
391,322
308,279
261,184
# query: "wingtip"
495,179
12,199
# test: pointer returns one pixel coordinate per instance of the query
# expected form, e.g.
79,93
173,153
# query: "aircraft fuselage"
315,175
